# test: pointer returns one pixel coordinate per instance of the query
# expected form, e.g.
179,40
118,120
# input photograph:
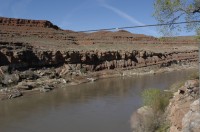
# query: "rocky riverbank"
181,115
183,110
32,81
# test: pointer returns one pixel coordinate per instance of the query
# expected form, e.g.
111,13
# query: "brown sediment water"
102,106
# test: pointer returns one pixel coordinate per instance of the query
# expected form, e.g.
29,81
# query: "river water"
102,106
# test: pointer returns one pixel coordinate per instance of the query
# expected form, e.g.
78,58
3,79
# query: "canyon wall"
19,55
26,30
38,43
26,23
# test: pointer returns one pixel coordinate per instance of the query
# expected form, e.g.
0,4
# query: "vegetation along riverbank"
173,110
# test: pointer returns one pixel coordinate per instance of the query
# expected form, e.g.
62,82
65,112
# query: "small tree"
170,11
156,99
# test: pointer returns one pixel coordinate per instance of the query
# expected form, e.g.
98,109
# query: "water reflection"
105,105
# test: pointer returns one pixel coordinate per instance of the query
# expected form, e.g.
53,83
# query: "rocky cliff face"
20,55
191,120
184,110
26,23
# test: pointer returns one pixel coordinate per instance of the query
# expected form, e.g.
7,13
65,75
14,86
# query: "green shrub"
156,99
83,70
163,127
194,75
176,86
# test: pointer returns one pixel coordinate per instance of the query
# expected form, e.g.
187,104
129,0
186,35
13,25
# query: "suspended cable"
150,25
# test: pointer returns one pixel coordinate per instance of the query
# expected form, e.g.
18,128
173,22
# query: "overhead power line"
149,25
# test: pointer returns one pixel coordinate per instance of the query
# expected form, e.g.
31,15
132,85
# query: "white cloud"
125,16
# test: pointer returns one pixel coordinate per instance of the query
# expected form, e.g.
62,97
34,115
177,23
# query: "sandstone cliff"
20,55
37,43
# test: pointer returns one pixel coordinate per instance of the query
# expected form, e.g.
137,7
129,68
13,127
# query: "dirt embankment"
37,55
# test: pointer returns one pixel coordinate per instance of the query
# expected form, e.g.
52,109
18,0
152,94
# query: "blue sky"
81,15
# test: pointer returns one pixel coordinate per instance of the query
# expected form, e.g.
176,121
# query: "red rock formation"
21,41
19,55
26,23
42,30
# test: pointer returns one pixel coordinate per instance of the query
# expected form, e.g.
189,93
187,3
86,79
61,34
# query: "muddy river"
102,106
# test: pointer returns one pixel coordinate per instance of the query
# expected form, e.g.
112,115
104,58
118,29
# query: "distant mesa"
43,33
26,22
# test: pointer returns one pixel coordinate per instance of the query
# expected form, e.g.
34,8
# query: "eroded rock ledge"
20,56
26,23
26,68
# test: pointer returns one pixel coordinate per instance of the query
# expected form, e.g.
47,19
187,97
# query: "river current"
102,106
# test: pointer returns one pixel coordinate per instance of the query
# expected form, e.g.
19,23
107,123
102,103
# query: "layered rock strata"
25,30
20,55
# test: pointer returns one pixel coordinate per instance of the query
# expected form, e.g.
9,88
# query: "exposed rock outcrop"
19,55
143,120
183,113
191,120
26,23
